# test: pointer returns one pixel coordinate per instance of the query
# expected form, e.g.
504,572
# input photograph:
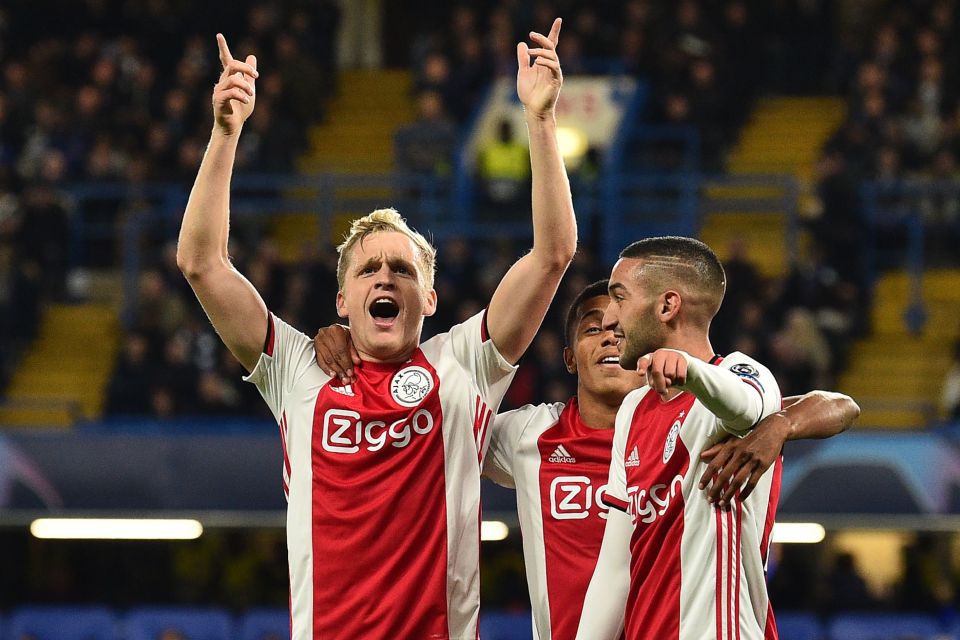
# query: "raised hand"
662,369
538,84
235,94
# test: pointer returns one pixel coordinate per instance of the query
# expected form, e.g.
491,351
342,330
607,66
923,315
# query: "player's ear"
569,360
668,306
341,305
430,306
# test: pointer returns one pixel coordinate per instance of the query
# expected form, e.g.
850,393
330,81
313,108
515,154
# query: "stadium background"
814,144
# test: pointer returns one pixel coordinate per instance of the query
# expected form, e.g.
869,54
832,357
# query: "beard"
637,342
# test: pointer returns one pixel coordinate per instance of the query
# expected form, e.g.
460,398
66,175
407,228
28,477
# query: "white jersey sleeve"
475,351
740,392
287,355
505,434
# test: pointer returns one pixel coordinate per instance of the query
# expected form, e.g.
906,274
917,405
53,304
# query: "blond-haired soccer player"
382,476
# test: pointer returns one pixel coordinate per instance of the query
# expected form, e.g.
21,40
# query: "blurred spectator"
950,394
504,167
801,355
846,590
133,379
425,146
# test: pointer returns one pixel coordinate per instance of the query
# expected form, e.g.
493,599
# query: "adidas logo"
633,460
560,454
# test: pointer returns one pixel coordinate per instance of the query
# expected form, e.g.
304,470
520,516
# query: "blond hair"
386,220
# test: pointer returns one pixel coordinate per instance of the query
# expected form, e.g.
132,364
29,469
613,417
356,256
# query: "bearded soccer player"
383,476
672,565
557,456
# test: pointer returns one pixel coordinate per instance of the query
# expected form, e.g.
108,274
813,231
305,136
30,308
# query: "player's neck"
694,342
597,412
384,356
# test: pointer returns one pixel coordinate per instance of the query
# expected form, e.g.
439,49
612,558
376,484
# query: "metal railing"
900,218
612,209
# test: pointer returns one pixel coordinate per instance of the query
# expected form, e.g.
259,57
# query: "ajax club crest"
410,386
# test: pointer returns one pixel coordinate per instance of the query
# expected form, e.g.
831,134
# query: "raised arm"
521,300
737,464
230,301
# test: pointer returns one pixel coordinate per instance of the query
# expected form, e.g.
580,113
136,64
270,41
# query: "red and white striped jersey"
383,484
559,467
696,572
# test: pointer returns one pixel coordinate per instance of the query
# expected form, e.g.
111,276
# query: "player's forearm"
554,223
736,404
816,415
205,228
524,295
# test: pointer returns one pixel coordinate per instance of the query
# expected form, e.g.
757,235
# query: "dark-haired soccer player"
557,456
695,570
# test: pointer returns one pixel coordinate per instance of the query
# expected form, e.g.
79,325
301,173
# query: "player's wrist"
782,424
541,118
226,133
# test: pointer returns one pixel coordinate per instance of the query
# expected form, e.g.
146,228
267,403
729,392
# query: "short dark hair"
598,288
707,271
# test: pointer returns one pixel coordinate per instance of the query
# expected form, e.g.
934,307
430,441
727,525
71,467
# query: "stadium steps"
783,137
356,137
896,376
64,374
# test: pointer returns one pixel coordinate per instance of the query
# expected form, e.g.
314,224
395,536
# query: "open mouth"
614,360
384,311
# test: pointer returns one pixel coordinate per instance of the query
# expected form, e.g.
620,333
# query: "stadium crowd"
703,74
900,76
116,91
128,123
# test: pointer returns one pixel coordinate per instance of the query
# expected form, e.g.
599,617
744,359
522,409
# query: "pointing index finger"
225,57
554,34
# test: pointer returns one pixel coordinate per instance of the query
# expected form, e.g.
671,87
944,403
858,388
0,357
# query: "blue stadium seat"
147,623
265,624
797,625
63,623
502,625
883,626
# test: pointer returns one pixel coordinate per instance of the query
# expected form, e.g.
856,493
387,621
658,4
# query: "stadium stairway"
355,137
64,373
783,137
896,376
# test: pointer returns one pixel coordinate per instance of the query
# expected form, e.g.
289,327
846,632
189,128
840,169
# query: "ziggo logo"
572,497
345,432
647,505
